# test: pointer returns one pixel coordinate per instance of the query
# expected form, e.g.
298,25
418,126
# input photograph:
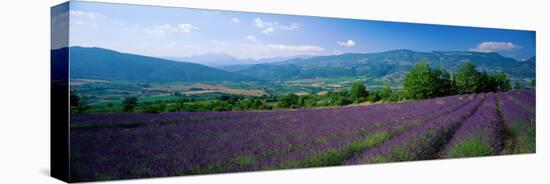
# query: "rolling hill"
98,63
393,64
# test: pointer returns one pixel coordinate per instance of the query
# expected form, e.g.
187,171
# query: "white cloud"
259,23
187,28
269,27
235,20
251,38
86,14
291,27
268,30
84,19
496,47
162,30
349,43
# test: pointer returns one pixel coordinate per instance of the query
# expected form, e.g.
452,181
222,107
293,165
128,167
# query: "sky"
180,32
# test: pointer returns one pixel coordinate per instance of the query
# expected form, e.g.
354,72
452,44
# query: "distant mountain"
279,58
247,63
392,64
227,62
98,63
211,59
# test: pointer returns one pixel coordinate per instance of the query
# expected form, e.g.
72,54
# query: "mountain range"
394,64
98,63
224,61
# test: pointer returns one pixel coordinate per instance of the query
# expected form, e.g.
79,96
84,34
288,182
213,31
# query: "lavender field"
121,146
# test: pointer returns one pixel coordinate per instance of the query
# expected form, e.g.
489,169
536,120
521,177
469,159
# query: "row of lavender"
335,151
511,118
479,135
518,113
419,143
116,146
180,146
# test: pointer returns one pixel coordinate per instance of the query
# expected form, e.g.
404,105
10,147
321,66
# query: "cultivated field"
118,146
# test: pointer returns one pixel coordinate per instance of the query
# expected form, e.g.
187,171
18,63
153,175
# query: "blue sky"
177,32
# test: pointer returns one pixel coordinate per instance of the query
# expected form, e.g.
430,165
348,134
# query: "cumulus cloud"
259,23
186,28
269,27
161,30
235,20
496,47
291,27
349,43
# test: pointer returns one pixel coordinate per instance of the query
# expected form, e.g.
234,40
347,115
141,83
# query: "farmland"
121,146
99,92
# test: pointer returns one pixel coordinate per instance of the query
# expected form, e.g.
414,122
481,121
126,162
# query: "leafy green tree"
374,96
129,104
288,101
422,82
533,83
467,79
149,107
445,83
358,91
517,86
501,81
338,98
487,83
341,101
386,93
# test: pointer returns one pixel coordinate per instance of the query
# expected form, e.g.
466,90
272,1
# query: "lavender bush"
120,146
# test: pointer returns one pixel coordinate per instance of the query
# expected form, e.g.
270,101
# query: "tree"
110,105
288,101
374,96
467,79
502,82
338,98
358,91
533,83
341,101
422,82
78,104
517,86
129,104
444,81
487,83
385,93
